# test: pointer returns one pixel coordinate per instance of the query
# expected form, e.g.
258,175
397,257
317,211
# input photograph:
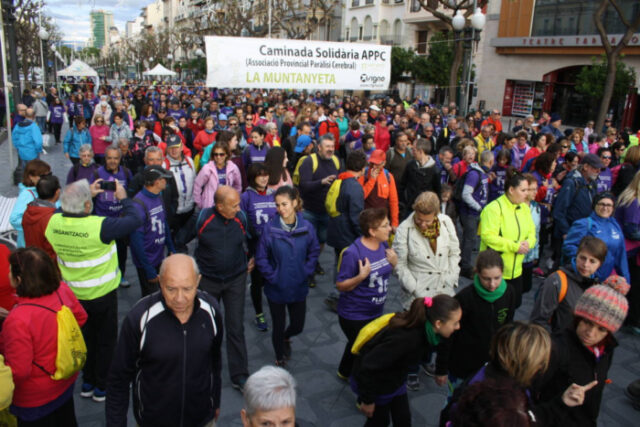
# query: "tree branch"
597,20
623,19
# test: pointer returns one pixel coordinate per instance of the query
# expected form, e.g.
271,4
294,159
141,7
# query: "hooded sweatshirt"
27,139
34,223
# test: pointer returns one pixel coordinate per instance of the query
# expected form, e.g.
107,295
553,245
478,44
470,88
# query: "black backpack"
457,192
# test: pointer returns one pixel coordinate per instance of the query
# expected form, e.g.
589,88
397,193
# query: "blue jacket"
609,231
25,196
286,259
27,139
574,202
74,139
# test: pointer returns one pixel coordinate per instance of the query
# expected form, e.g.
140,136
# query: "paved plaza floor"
323,399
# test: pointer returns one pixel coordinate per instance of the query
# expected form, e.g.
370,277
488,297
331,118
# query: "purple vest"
152,228
105,203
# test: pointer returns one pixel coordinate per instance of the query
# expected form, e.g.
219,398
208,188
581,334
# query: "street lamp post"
55,66
170,59
44,36
471,34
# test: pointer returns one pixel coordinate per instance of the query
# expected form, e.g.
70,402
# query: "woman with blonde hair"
428,251
521,352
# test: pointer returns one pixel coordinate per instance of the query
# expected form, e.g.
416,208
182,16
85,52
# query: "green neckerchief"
432,338
485,294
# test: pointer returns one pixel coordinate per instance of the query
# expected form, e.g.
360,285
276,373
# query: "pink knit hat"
604,306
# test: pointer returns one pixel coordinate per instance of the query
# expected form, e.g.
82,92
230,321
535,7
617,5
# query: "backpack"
331,202
564,285
71,349
369,331
457,191
314,166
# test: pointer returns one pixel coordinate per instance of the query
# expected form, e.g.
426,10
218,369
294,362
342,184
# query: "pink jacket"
206,183
97,144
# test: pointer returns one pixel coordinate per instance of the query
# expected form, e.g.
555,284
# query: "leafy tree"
402,60
436,67
591,79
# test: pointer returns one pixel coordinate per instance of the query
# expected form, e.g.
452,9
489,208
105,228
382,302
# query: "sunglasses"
219,154
565,146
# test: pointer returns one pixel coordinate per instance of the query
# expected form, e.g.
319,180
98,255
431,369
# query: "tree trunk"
607,93
455,67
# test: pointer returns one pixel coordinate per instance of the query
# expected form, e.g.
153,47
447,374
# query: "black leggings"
398,410
57,127
350,329
257,281
64,416
516,284
297,312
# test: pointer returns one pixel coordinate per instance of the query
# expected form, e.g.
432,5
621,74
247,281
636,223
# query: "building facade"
101,22
533,50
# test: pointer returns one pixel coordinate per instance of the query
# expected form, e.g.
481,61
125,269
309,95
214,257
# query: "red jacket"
34,223
7,293
203,139
382,137
195,127
30,334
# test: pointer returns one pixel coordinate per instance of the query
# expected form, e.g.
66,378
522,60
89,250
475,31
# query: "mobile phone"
108,185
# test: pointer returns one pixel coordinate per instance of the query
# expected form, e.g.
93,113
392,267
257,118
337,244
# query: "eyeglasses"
233,124
605,205
99,121
565,146
219,154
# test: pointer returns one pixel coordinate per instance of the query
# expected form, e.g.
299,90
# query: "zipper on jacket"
184,372
515,214
139,393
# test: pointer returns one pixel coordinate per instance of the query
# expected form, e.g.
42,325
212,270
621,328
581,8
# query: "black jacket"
344,229
222,247
468,348
169,194
383,363
417,179
571,362
174,367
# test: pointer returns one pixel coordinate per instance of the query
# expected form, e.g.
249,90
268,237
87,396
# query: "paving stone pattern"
323,399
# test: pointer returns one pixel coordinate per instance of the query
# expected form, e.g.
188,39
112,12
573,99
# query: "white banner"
243,62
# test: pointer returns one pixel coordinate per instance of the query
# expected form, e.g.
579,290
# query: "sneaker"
429,369
319,269
99,395
287,349
87,390
413,382
261,323
538,272
124,283
332,304
239,383
342,377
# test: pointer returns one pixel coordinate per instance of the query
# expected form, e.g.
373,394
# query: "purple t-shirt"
222,175
605,180
518,154
365,301
153,228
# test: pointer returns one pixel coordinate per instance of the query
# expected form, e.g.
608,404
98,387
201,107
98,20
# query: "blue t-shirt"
365,301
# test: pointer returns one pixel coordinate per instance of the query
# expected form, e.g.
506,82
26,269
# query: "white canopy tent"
80,69
159,70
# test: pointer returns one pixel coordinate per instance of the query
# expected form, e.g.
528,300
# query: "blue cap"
222,117
302,143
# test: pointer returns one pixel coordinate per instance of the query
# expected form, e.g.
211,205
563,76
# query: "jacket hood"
25,123
36,211
253,190
477,167
430,162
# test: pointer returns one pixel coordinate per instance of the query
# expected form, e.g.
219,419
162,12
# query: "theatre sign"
561,41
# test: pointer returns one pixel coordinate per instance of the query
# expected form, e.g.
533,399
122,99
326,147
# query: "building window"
415,6
421,45
355,3
575,17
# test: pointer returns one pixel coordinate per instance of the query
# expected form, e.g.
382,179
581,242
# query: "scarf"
485,294
431,233
432,338
210,132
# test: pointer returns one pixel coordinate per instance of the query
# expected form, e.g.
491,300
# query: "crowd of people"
210,189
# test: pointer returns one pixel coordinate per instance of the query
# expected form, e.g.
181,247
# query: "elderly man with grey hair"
87,258
85,168
269,398
169,351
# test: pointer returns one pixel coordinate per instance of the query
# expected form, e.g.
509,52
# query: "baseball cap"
302,142
162,110
374,108
173,140
377,157
222,117
592,160
555,117
154,172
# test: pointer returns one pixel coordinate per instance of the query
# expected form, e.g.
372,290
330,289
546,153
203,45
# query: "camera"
108,185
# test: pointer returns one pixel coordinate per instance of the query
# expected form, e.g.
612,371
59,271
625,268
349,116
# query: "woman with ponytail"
506,226
381,367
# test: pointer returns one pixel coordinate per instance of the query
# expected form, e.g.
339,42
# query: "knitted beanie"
604,306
